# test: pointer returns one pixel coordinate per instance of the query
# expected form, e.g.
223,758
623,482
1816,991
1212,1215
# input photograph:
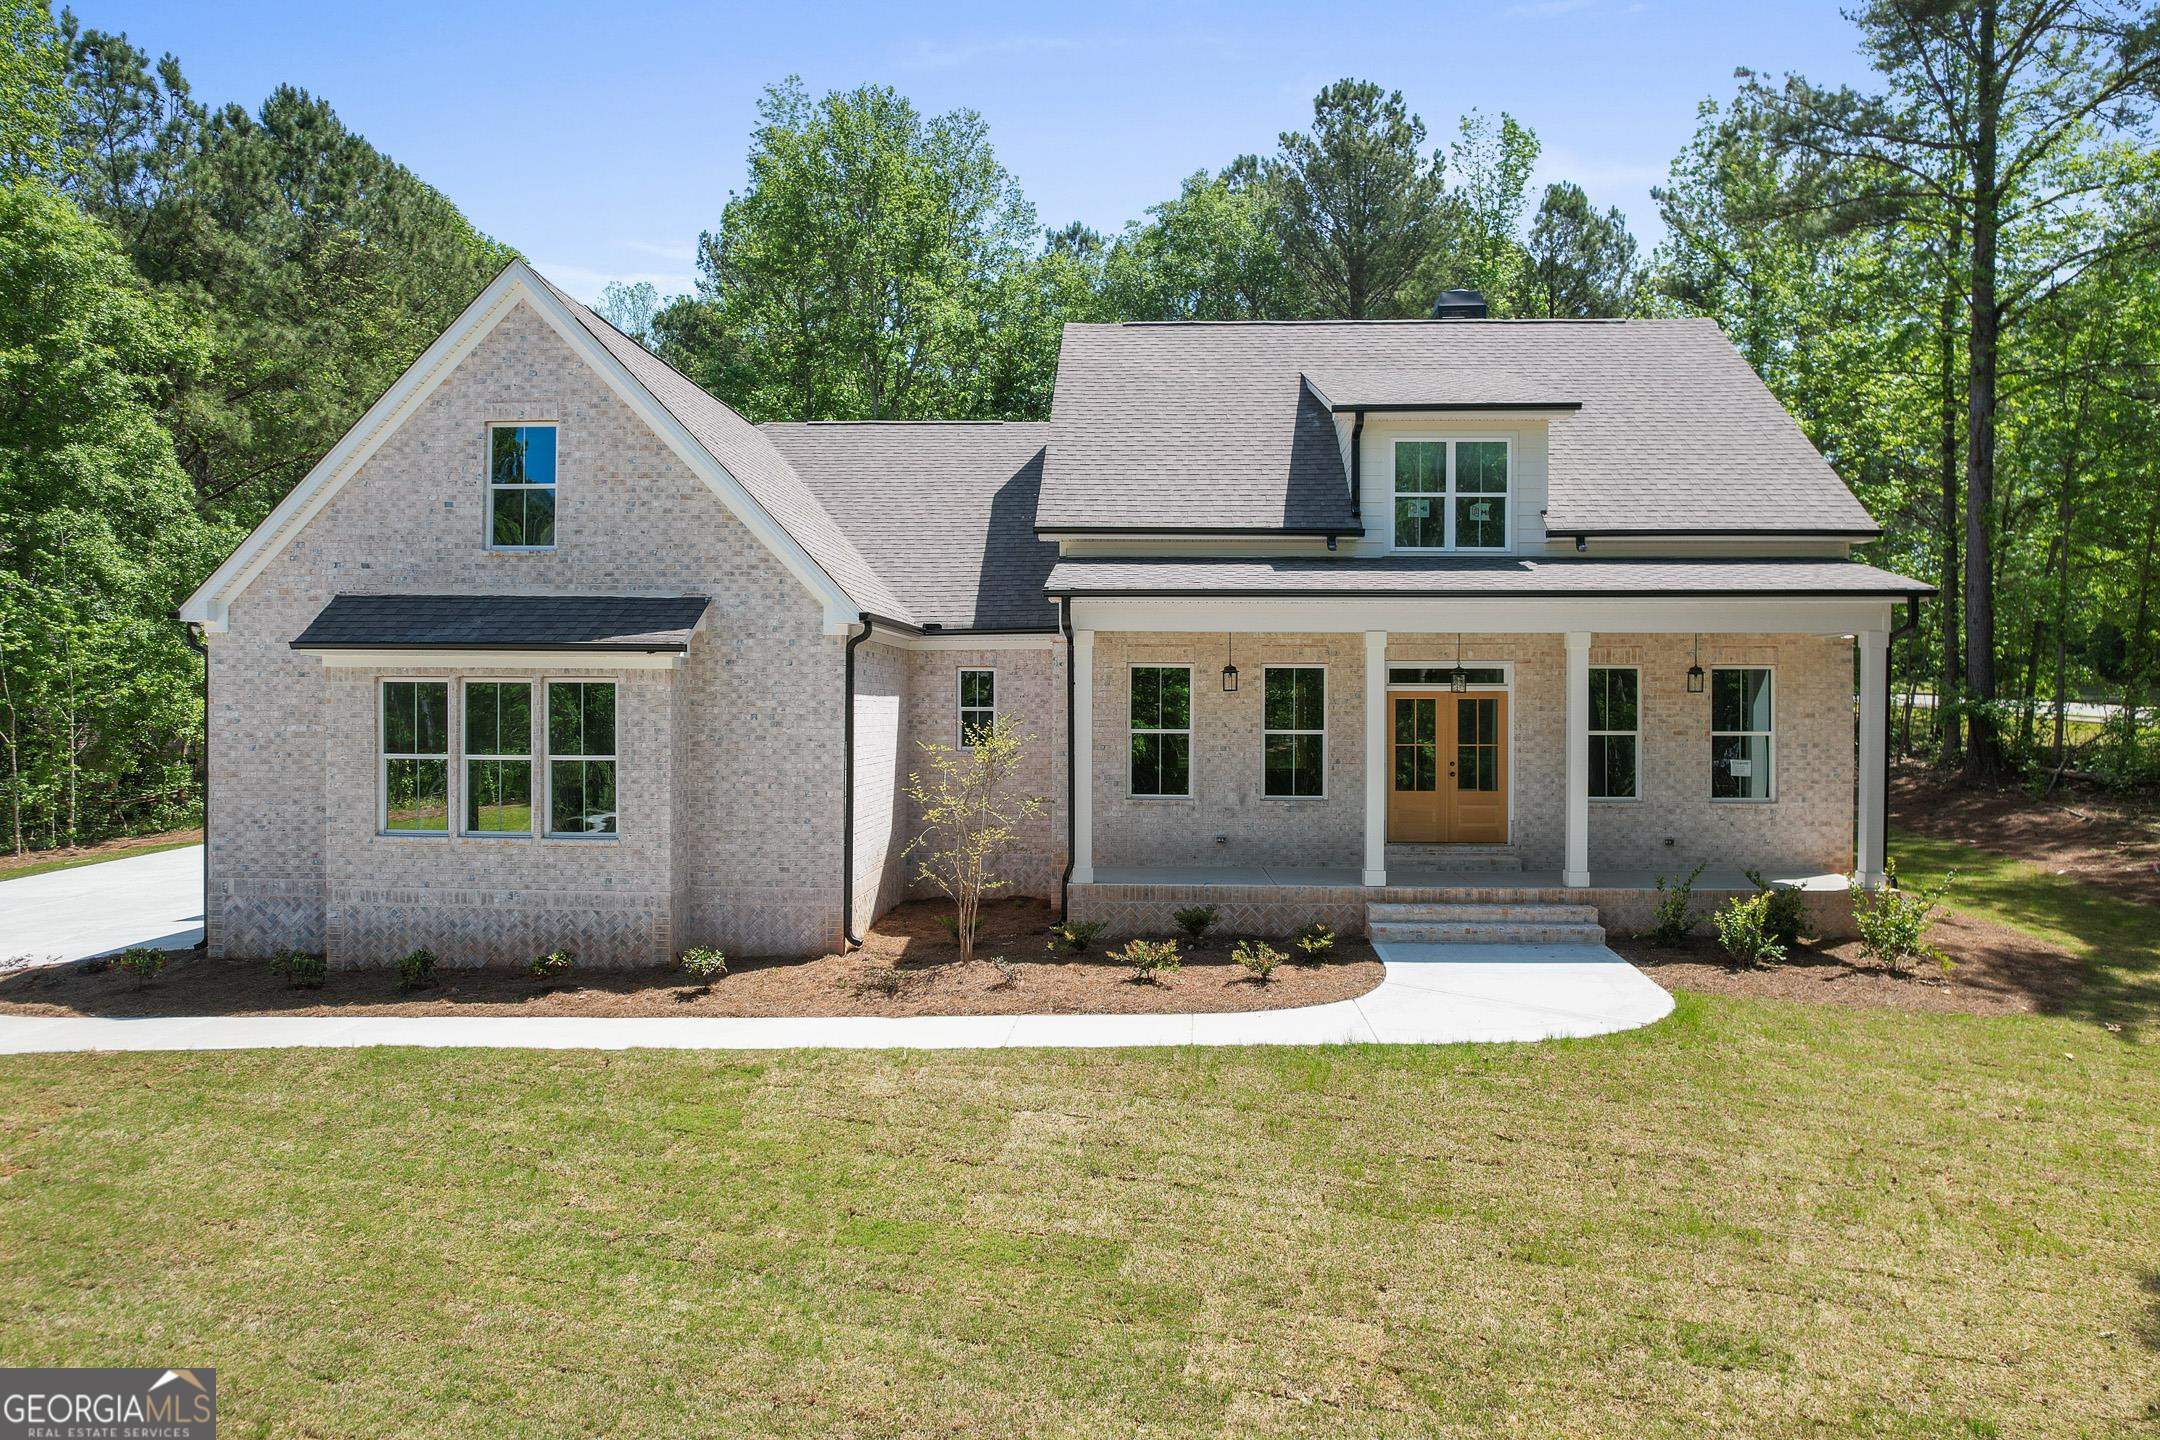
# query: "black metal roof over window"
505,622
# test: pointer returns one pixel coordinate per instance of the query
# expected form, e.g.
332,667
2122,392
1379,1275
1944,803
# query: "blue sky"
599,139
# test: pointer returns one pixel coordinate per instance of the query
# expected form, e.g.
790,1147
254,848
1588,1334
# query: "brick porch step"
1454,859
1525,922
1529,910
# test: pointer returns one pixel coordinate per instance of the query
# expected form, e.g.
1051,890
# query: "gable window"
1161,725
414,764
1293,724
521,487
581,757
498,757
1451,494
1742,733
978,705
1615,732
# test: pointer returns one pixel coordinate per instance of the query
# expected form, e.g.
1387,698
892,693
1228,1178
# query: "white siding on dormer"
1526,481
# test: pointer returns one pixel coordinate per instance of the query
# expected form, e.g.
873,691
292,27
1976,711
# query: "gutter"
1072,791
193,632
847,788
1910,623
1331,594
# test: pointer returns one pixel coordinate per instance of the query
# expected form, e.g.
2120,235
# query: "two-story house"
555,649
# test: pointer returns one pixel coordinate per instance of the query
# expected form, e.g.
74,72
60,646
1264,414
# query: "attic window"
521,487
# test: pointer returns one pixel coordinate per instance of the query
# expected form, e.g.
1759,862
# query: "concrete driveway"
90,910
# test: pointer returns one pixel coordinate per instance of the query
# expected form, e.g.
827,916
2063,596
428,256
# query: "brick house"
554,648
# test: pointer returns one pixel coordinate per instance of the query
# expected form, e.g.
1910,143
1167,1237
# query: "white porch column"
1874,722
1082,759
1376,748
1576,871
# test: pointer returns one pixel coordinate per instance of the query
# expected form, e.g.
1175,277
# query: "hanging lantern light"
1694,671
1460,679
1229,671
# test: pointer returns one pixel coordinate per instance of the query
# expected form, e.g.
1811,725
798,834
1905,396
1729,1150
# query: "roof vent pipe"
1459,305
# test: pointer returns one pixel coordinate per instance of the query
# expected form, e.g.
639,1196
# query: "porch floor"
1400,877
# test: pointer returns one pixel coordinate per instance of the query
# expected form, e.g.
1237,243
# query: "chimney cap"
1459,305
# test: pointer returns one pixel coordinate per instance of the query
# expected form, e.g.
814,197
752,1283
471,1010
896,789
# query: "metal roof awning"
559,624
1465,577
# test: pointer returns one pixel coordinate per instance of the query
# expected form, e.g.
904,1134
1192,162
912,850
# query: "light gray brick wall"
749,857
1031,693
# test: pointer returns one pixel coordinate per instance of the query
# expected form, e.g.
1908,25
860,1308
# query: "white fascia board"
209,605
1048,641
1790,615
560,661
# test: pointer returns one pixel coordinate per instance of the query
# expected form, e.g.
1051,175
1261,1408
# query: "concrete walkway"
1430,995
89,910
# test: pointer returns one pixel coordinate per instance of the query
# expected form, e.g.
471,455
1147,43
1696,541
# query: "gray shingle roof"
504,622
946,512
747,454
1185,426
1409,575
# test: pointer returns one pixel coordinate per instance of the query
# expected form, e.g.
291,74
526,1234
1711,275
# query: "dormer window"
1451,494
521,487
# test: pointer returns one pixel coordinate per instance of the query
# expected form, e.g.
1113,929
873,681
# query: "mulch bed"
2111,841
907,966
1997,971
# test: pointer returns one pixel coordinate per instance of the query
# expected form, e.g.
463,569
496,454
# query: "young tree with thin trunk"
971,814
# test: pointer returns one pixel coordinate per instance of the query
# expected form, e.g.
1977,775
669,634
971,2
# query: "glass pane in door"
1477,744
1417,748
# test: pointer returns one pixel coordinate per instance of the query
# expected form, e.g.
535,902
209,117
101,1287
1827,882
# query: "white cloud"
683,252
953,54
586,283
1548,9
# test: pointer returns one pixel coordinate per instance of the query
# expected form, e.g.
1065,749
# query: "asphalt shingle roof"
504,622
1214,426
1507,575
947,510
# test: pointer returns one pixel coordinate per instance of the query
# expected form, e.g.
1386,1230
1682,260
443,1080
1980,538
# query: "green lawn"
98,857
1754,1219
2118,939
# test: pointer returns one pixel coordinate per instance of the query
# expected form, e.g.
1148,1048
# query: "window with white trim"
978,705
498,757
1615,732
1742,733
414,765
1160,722
1293,731
521,487
581,757
1451,494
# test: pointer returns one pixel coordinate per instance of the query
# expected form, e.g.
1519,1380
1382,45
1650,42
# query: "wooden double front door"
1448,780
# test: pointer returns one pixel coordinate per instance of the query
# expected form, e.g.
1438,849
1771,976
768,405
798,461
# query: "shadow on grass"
2117,939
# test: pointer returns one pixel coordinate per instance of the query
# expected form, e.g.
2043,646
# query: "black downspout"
1357,467
1910,624
847,791
1072,789
195,643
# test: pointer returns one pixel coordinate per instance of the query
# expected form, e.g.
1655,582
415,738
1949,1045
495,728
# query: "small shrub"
141,961
1313,942
1785,918
1008,973
555,965
885,981
1674,918
417,970
1150,959
301,970
951,925
1893,923
1259,959
704,965
1075,936
1743,929
1196,921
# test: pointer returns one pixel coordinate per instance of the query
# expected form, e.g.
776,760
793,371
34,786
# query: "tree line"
1949,276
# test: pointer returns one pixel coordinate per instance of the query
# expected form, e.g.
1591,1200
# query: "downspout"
1072,792
195,642
1910,623
847,790
1357,469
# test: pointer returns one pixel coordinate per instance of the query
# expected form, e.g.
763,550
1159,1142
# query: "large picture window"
978,705
498,757
1294,731
1451,494
1615,733
415,757
1742,734
521,487
1161,725
581,757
